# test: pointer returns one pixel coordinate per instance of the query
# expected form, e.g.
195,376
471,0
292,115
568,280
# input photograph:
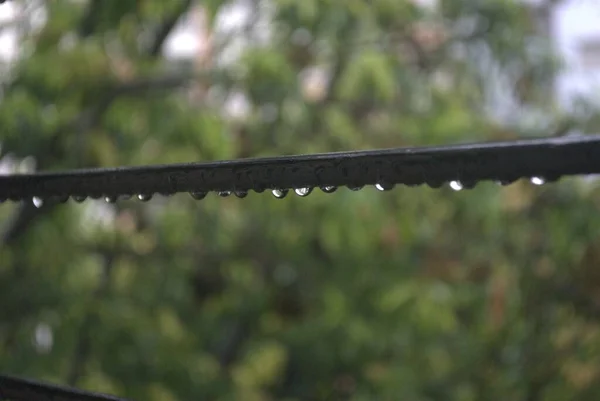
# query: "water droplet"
355,187
384,186
125,196
198,195
37,202
110,199
303,191
456,185
329,189
79,198
62,198
144,197
224,194
538,181
280,193
241,193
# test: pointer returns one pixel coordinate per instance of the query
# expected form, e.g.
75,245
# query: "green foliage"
415,294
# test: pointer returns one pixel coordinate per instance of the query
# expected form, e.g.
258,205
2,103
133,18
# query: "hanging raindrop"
241,193
62,198
144,197
198,195
280,193
538,181
224,194
329,189
456,185
37,202
125,197
303,191
355,187
110,199
79,198
384,186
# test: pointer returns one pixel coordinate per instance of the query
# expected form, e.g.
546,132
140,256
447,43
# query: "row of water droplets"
459,185
277,193
455,185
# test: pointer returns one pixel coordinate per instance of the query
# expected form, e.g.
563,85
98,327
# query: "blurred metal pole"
17,389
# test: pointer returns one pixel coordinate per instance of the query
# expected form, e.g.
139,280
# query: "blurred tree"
416,294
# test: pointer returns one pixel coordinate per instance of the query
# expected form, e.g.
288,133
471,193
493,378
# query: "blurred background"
414,294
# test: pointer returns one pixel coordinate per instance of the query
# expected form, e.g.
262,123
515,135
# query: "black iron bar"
548,158
17,389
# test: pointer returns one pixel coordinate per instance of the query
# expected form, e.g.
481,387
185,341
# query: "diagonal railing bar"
18,389
547,159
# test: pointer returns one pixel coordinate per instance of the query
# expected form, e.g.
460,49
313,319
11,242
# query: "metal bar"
17,389
548,158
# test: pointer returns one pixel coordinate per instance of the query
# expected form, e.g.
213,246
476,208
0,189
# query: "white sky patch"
7,45
232,17
573,22
7,12
189,40
8,37
183,43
